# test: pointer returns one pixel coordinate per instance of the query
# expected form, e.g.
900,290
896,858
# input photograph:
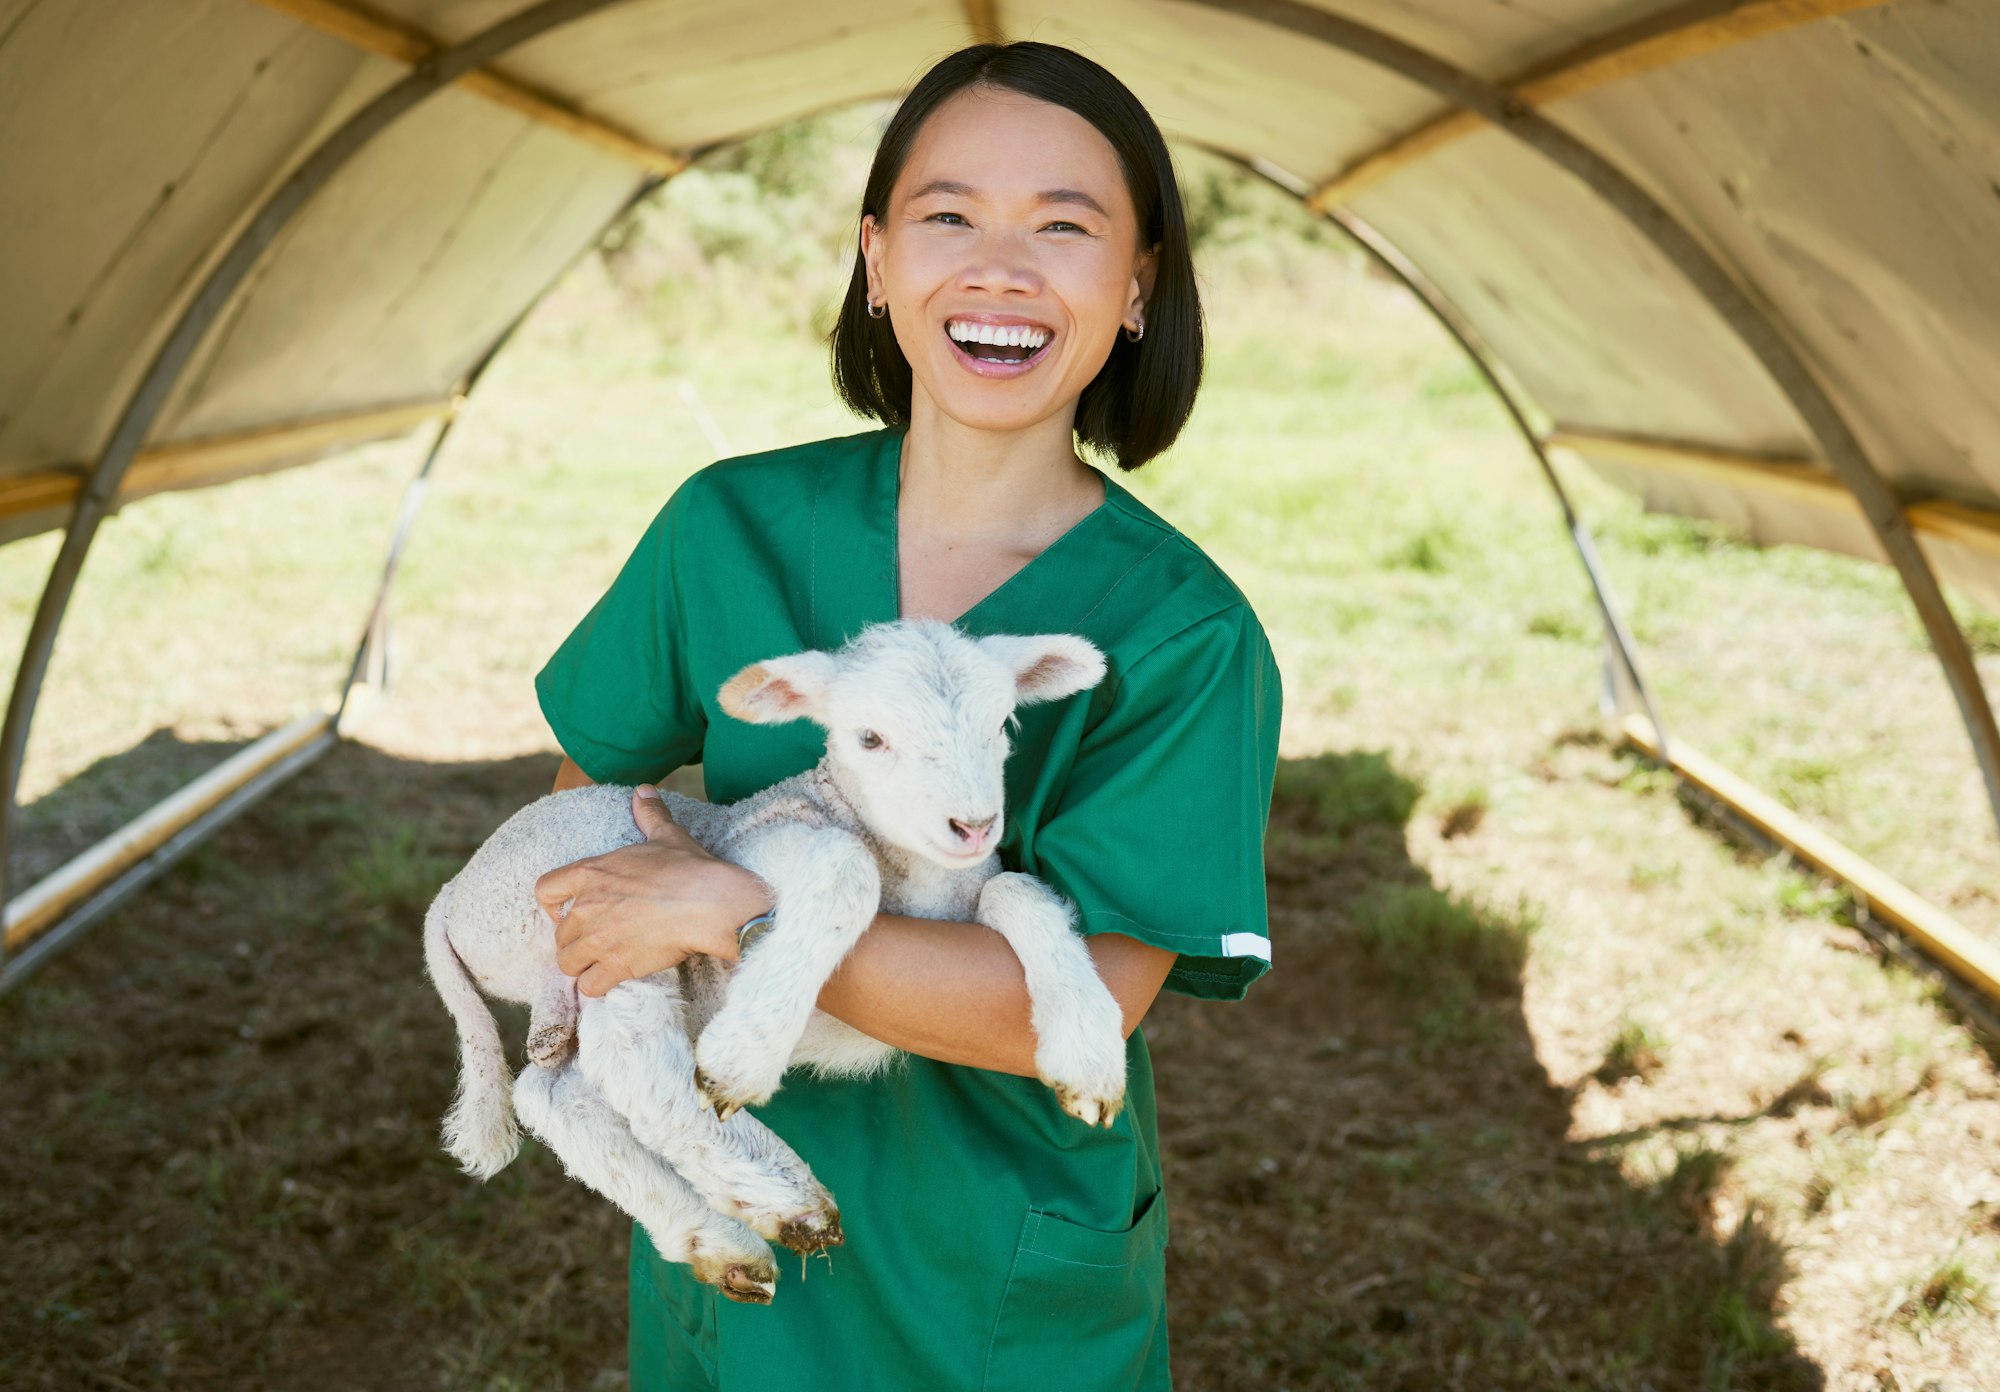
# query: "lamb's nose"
969,831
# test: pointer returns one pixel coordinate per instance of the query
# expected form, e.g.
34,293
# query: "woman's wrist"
740,897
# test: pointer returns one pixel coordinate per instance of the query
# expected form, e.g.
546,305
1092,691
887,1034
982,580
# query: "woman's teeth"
1004,342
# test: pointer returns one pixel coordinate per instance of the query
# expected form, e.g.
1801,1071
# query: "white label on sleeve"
1246,945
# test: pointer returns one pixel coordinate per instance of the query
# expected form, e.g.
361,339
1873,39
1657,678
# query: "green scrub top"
993,1241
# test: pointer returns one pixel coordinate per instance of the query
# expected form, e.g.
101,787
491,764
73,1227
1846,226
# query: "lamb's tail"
479,1130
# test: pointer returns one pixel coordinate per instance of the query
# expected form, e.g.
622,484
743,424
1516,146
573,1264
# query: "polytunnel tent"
1734,256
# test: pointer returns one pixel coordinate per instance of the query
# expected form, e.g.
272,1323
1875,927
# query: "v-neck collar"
884,500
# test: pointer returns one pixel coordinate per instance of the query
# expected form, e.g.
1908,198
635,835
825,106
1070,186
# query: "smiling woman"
1022,288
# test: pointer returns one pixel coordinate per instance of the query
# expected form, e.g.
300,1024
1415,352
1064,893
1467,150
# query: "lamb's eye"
870,740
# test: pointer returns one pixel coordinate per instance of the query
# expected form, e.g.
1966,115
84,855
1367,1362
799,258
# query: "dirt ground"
221,1168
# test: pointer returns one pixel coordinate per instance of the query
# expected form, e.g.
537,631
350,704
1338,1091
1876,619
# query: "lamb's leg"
1079,1028
552,1019
633,1046
565,1110
825,889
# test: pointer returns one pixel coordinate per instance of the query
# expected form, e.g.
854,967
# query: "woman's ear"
1145,266
871,254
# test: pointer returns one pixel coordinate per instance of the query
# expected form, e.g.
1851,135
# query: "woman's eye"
1070,225
935,216
870,740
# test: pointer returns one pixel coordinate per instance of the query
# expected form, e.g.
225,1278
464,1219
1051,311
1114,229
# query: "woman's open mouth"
997,350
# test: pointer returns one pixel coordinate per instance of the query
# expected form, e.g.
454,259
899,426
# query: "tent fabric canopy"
1841,159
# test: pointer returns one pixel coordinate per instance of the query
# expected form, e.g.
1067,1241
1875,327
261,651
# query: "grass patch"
1638,1050
396,871
1463,813
1951,1289
1806,895
1663,534
1695,1182
1431,549
1563,625
1420,933
1337,793
1456,960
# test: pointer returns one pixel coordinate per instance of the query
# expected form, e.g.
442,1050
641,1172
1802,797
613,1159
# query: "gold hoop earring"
1131,337
876,311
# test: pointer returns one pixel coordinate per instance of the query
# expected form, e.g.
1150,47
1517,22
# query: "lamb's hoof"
814,1232
1089,1108
716,1097
749,1286
746,1280
551,1046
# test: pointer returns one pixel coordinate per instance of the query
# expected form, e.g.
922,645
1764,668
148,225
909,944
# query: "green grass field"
1699,1024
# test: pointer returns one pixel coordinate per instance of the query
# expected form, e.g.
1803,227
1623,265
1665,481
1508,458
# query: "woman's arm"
955,992
949,991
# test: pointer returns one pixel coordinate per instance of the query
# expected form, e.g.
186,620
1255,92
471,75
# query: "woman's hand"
648,906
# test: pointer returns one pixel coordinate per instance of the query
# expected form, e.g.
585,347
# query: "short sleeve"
617,692
1159,831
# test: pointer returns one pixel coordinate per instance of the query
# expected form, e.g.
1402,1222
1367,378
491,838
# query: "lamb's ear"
780,689
1047,666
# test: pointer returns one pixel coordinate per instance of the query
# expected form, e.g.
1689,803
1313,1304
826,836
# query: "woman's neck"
1017,490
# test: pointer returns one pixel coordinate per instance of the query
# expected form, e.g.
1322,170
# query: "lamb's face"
917,718
924,745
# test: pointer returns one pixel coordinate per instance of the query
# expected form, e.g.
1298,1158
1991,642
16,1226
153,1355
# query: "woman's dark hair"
1136,405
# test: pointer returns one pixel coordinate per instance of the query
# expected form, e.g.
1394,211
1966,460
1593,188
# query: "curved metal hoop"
150,396
1837,442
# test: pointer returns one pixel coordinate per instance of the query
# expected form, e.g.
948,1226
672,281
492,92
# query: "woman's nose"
1003,262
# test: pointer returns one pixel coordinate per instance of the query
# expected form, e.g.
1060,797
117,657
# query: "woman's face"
1011,220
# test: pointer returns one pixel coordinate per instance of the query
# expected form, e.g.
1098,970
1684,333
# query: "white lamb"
902,815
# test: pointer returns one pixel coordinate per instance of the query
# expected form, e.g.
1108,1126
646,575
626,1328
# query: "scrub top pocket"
671,1342
1084,1309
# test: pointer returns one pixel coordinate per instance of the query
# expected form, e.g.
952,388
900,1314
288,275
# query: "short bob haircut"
1136,405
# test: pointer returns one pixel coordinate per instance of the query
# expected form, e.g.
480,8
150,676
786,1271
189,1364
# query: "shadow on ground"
222,1171
104,797
1373,1186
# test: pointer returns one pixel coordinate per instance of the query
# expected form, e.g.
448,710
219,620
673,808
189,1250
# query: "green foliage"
760,233
1981,628
1664,534
1565,625
1430,549
1239,217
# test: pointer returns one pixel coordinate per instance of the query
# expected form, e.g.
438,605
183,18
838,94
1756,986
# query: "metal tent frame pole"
1622,650
1753,326
142,409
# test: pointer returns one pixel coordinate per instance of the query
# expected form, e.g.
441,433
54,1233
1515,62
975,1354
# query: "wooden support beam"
1967,956
1685,32
42,904
193,463
1796,480
983,18
388,37
1973,528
